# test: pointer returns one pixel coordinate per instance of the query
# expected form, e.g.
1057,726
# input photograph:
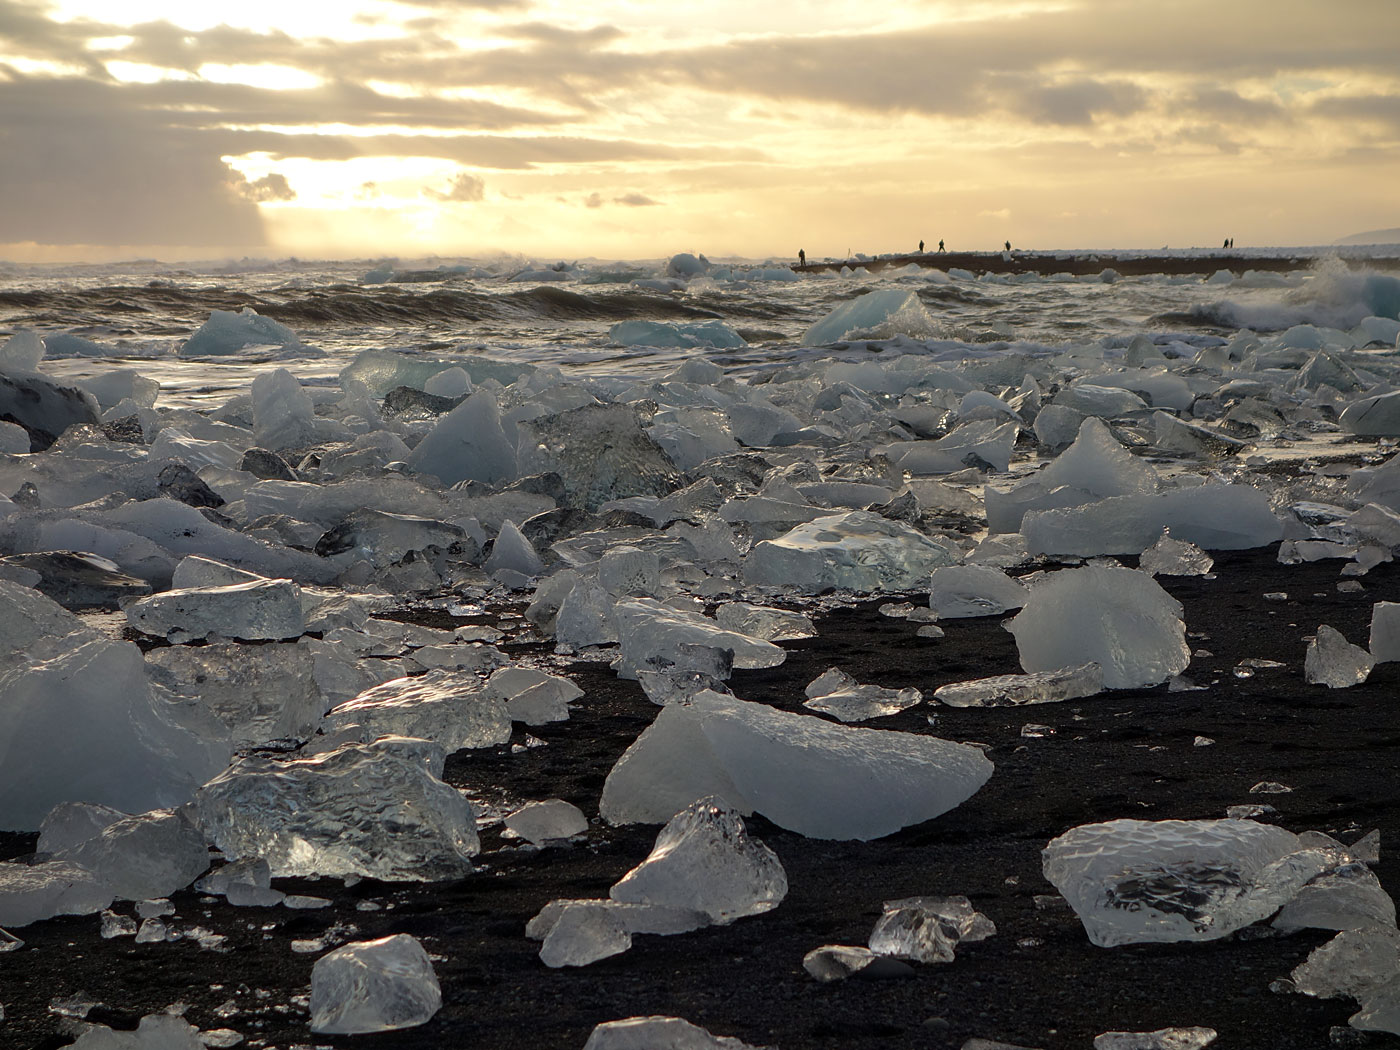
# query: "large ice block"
857,551
450,708
31,892
257,611
1334,662
373,986
227,332
958,591
467,443
881,313
145,856
652,634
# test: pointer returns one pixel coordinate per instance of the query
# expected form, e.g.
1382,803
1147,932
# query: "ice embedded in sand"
373,986
1172,557
550,820
704,861
1132,881
658,1033
801,772
1118,618
1014,690
1334,662
857,551
652,635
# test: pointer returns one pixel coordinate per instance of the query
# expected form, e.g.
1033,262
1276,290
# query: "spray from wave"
1334,296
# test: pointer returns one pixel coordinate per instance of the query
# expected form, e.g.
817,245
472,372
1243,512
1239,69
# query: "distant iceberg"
878,315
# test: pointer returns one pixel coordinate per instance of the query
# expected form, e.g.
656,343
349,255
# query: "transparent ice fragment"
451,708
959,591
757,621
838,694
658,1033
145,856
1350,965
857,551
547,821
257,611
582,932
511,550
152,931
372,810
836,962
1162,1039
1385,632
1014,690
71,823
154,1032
1346,898
627,571
704,861
649,631
114,925
677,686
928,929
374,986
1173,557
1334,662
533,697
468,443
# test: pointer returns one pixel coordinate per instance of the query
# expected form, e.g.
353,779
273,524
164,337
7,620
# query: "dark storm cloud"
1375,109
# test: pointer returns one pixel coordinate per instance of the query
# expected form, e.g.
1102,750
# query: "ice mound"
1213,517
928,929
22,352
1334,662
1118,618
450,708
659,333
256,611
227,332
704,861
375,810
547,821
801,772
686,265
973,590
658,1033
1014,690
838,694
1172,557
44,409
512,551
31,892
153,1032
652,635
260,694
601,452
373,986
145,856
858,551
1133,881
888,312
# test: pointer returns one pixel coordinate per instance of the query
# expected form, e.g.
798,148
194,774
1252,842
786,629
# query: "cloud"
464,188
627,200
271,187
593,200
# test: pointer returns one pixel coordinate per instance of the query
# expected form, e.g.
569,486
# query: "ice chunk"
601,452
1213,517
704,861
757,621
801,772
578,933
690,335
1173,557
1334,662
1352,964
45,409
260,610
1377,416
283,415
1385,632
652,635
449,708
928,929
143,857
112,388
627,571
22,352
153,1032
467,443
374,810
227,333
1132,881
373,986
451,382
857,551
836,962
540,822
14,439
79,581
30,892
958,591
1117,618
983,444
1346,898
531,696
261,694
1162,1039
887,312
838,694
1014,690
658,1033
514,552
70,823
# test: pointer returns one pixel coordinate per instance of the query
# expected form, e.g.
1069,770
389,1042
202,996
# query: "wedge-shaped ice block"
704,861
868,313
258,611
857,551
374,810
801,772
658,1033
837,694
30,892
959,591
145,856
1132,881
1346,898
652,635
549,820
1170,556
467,443
1120,619
373,986
1014,690
1352,964
836,962
1334,662
450,708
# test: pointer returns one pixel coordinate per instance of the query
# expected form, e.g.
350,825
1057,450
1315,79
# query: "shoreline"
1088,264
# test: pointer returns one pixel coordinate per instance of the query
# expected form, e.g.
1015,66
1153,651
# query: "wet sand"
1038,982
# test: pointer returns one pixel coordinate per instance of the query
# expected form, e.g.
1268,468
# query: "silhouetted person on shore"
801,257
940,246
1226,244
1008,245
1232,244
921,247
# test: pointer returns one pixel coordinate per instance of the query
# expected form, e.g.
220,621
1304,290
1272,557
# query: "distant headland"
1126,264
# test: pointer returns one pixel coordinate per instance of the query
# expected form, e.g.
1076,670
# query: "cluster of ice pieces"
916,929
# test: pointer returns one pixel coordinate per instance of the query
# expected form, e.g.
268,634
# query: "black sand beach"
1038,982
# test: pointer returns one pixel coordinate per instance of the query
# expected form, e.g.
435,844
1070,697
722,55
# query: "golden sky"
639,128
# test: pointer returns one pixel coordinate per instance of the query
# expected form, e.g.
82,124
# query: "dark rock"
127,429
548,526
27,495
406,402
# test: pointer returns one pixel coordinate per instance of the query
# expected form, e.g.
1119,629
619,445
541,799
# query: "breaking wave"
1335,297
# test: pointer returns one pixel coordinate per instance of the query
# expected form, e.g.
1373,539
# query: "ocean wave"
1335,297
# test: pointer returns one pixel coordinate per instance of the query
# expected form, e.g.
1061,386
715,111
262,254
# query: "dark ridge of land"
1037,983
1089,263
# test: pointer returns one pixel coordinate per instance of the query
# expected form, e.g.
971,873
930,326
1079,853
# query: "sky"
631,129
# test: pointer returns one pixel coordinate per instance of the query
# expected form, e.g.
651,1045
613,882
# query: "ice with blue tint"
881,314
227,333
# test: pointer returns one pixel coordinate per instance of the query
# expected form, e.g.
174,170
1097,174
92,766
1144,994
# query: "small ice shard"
227,332
373,986
1334,662
513,551
1173,557
658,1033
959,591
114,925
1119,618
152,931
773,625
30,892
803,773
1269,787
250,873
1385,632
838,694
888,312
1014,690
450,708
257,611
857,551
1346,898
145,856
704,861
578,933
652,634
153,1032
1134,881
1351,965
546,821
372,810
836,962
677,686
928,929
1162,1039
